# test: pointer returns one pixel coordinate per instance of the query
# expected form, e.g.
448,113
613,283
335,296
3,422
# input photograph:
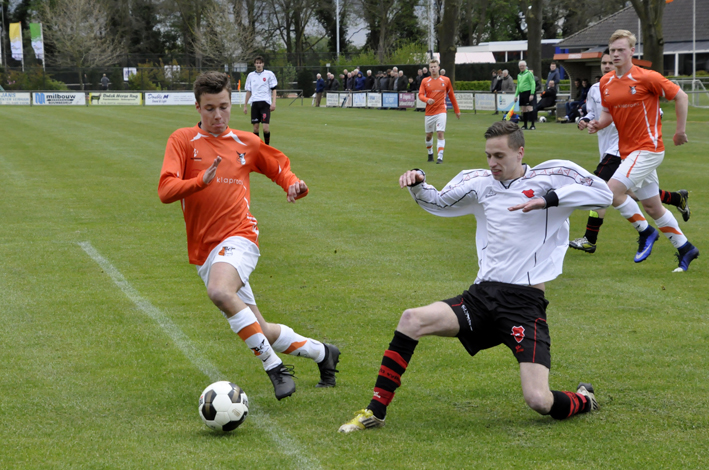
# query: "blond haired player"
631,99
207,168
433,91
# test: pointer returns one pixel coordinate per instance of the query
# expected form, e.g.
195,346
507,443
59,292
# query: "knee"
220,297
539,401
410,323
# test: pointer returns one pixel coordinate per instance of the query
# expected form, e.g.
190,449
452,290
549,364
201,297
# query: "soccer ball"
223,406
542,119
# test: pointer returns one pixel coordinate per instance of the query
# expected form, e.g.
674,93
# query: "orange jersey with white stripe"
634,102
437,89
218,210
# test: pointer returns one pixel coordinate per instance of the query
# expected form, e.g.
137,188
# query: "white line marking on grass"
262,420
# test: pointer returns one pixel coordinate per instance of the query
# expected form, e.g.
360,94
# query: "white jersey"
260,85
516,247
608,137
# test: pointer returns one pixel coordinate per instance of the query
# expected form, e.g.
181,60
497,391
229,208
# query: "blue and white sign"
390,100
332,99
59,98
466,100
238,97
169,98
15,99
484,101
374,100
359,100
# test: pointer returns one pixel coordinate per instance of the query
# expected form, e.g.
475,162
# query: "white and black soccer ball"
542,119
223,406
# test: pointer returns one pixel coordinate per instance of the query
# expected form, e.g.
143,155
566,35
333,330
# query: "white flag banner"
16,41
37,40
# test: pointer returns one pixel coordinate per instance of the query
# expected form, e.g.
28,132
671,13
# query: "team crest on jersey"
518,333
264,79
632,90
242,158
529,193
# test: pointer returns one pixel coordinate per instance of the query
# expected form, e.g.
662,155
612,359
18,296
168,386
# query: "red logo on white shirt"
264,79
529,193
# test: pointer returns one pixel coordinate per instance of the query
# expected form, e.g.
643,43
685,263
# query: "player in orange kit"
206,168
433,91
631,99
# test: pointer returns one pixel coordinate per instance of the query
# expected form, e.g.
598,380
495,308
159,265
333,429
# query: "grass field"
108,336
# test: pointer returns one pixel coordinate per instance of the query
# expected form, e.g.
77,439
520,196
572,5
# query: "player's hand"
431,101
246,110
516,98
410,178
680,138
296,189
582,124
457,115
532,204
592,127
273,107
211,171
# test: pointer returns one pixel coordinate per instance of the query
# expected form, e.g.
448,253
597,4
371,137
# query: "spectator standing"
319,88
369,81
555,75
359,82
419,77
507,84
401,81
384,81
494,87
104,82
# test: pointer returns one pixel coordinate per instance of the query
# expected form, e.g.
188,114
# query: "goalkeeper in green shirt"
525,94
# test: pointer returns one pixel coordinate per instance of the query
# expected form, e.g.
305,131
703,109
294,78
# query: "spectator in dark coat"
359,82
369,81
554,75
401,81
548,99
319,88
384,81
334,83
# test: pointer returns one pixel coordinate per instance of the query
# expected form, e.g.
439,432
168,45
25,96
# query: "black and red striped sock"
267,138
673,199
394,364
592,227
567,404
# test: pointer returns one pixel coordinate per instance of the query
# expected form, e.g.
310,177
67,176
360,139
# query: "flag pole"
2,32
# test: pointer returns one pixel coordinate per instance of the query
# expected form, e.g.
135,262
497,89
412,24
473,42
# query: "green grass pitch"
94,372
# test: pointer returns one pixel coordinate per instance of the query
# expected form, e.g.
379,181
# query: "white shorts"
436,123
638,172
241,253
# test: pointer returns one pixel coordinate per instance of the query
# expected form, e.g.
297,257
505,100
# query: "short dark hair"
211,83
515,137
259,57
606,52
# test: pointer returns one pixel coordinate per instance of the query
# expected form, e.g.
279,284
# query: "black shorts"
525,98
607,167
492,313
260,112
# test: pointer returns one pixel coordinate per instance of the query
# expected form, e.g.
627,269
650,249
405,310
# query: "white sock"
669,226
441,146
290,342
429,146
244,324
631,211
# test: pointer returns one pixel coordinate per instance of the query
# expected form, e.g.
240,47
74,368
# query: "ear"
196,105
520,155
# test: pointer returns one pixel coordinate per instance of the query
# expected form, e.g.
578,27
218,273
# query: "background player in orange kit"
631,99
206,168
433,91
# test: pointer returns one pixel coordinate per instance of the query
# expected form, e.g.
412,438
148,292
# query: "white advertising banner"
359,100
374,100
128,71
466,100
238,97
420,104
169,98
485,101
15,99
59,98
333,99
121,99
505,102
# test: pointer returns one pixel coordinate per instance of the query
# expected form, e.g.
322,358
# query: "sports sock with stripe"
441,146
631,211
669,226
267,138
394,363
593,226
567,404
244,324
673,199
429,146
290,342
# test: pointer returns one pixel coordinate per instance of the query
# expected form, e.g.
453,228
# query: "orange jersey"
634,102
437,89
218,210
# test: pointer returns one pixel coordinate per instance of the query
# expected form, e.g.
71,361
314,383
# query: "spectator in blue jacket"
319,88
554,75
359,82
